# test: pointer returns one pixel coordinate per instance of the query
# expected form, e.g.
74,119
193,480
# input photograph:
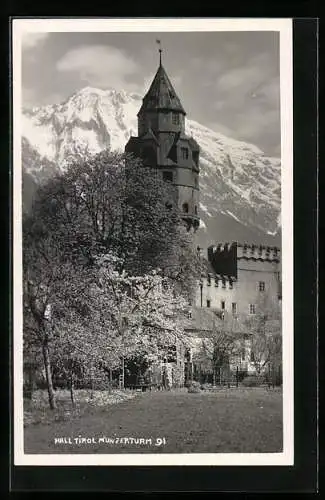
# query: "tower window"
234,308
195,156
252,309
208,303
261,286
175,118
184,152
223,305
168,176
185,208
195,210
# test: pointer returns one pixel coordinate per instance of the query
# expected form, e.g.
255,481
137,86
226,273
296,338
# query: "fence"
272,377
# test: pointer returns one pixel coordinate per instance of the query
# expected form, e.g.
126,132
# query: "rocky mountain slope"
240,187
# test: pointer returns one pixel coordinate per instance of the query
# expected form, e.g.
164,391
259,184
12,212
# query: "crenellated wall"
258,252
240,278
222,258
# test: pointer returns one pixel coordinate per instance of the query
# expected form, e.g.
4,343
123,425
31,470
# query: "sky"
227,81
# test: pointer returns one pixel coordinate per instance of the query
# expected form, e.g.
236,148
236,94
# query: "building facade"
240,278
163,144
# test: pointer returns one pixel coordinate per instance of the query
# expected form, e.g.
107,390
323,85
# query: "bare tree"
266,334
219,346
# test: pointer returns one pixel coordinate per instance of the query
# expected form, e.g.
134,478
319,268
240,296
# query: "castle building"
240,278
237,277
163,144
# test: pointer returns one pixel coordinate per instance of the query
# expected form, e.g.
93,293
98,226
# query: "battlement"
224,257
221,281
222,248
258,252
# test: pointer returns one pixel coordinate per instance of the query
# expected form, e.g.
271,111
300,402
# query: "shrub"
206,387
241,374
41,384
96,384
194,387
253,381
27,391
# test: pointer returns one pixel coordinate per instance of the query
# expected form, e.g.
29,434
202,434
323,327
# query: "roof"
150,135
161,94
194,145
201,320
206,321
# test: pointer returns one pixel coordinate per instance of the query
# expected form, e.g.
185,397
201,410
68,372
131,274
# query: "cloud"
222,129
146,84
28,97
210,67
31,97
176,81
247,76
246,99
259,127
239,77
100,65
33,40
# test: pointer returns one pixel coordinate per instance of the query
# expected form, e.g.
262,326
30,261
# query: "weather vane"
160,50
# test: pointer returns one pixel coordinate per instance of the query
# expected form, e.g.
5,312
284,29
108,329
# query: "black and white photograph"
153,246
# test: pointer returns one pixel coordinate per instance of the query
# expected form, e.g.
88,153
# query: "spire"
160,51
161,94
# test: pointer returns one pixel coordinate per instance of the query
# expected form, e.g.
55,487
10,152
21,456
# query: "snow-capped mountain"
240,187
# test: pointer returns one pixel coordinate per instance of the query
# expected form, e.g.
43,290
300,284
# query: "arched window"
185,208
195,210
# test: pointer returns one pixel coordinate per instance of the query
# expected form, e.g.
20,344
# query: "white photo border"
284,27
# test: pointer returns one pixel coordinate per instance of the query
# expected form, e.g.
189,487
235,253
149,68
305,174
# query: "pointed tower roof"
161,94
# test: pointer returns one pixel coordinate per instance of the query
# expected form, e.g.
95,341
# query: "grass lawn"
244,420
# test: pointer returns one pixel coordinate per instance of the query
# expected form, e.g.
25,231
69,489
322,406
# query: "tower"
162,144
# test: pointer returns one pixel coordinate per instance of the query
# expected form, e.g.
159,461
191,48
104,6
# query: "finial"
160,51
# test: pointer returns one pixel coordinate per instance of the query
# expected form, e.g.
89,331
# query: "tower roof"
161,94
